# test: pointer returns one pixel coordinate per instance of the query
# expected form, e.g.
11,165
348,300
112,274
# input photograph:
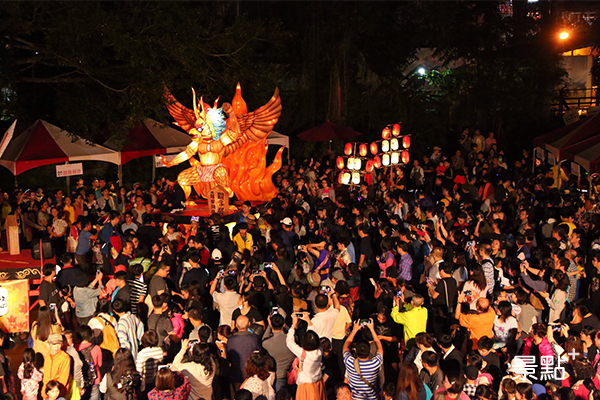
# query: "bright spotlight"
421,71
563,35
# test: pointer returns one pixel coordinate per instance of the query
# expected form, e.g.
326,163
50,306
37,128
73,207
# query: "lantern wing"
256,125
184,117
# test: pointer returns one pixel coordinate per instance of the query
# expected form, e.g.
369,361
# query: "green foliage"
88,65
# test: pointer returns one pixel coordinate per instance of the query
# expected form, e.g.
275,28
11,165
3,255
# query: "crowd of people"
455,277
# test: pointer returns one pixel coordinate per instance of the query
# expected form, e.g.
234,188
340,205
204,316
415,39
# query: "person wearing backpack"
91,356
104,326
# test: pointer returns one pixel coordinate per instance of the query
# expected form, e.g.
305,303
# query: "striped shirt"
137,289
130,330
146,364
369,370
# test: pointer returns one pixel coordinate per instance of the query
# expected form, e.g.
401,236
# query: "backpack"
89,368
110,340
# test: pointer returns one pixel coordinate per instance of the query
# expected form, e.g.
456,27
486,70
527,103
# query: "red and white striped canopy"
44,144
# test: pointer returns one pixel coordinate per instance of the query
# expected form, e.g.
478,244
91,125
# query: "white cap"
217,255
287,221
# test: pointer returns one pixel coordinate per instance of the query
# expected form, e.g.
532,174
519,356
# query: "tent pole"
120,175
153,168
68,183
16,182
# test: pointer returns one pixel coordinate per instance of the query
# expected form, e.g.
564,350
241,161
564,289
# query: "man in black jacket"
452,359
175,197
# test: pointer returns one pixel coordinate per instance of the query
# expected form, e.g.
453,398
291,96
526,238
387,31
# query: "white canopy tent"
277,139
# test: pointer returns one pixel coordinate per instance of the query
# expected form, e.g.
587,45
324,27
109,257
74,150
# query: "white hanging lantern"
395,158
385,146
385,160
350,163
394,144
355,178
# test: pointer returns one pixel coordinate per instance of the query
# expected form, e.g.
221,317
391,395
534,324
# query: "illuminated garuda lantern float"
230,143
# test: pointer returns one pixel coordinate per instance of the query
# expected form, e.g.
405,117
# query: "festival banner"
14,306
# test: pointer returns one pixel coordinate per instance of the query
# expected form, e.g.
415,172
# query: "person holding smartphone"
361,370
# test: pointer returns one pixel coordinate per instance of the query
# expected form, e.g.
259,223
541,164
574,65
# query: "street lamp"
564,35
422,71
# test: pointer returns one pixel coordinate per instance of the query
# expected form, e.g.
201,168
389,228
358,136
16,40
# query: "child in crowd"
29,375
53,389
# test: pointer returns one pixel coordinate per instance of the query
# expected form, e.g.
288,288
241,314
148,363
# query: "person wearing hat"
57,365
289,237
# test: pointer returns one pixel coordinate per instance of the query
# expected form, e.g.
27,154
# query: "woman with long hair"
257,377
559,296
476,286
298,223
505,326
46,324
123,382
310,378
410,386
198,364
170,385
453,386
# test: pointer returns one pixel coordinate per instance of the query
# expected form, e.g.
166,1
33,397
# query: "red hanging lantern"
377,162
341,178
406,142
396,130
369,167
362,149
405,157
374,148
348,149
385,134
340,162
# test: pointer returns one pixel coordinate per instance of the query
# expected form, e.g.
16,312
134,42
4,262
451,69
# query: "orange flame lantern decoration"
362,149
396,130
340,162
406,142
374,148
348,149
405,157
250,178
385,133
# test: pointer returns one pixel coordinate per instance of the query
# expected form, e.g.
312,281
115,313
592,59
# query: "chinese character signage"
14,306
69,170
218,201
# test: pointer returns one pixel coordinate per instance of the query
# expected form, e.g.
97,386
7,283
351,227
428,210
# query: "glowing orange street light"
564,35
